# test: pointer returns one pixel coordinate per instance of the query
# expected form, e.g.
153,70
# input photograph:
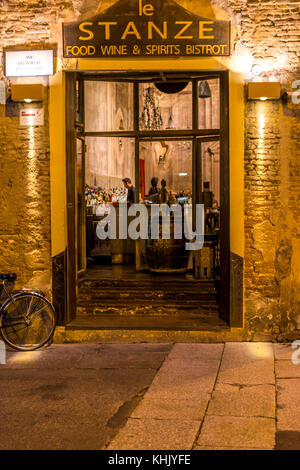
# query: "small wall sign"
32,117
29,63
137,28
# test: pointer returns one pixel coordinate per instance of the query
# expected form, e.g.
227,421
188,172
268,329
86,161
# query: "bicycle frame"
18,309
11,296
8,294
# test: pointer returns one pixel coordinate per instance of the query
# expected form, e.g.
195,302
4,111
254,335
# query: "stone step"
148,290
151,323
147,296
147,284
129,310
164,301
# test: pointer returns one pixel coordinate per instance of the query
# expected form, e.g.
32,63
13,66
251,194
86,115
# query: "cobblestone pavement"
152,396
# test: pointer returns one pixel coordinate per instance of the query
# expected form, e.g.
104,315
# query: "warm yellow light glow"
32,180
21,357
241,63
278,63
261,123
281,61
260,350
260,152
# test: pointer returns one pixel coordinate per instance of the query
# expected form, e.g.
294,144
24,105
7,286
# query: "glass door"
206,262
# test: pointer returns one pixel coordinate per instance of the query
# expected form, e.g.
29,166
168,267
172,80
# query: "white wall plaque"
32,117
28,63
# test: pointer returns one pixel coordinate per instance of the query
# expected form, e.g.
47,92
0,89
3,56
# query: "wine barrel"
167,256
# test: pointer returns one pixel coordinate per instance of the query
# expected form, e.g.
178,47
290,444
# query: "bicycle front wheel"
28,321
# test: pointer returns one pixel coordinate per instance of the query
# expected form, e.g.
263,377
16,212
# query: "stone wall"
25,201
270,31
272,215
267,29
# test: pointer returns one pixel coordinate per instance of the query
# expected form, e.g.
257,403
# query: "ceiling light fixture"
204,89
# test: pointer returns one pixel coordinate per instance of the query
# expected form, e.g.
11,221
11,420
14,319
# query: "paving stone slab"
60,356
288,404
146,360
256,400
177,380
224,448
64,409
205,367
283,351
172,409
288,440
247,363
237,432
156,434
173,370
92,356
193,389
286,369
138,347
195,352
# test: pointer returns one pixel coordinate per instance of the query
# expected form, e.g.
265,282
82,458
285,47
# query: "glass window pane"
211,185
108,161
209,104
108,106
169,161
160,111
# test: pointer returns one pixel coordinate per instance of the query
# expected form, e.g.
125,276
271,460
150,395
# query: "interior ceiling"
147,77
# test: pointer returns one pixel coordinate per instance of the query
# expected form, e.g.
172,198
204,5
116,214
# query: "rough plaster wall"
24,154
272,215
269,30
25,201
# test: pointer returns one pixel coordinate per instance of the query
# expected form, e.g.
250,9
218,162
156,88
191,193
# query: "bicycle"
27,318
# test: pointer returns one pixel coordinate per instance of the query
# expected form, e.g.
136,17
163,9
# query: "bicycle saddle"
8,277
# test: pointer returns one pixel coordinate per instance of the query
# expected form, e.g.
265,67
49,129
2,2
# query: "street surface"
151,396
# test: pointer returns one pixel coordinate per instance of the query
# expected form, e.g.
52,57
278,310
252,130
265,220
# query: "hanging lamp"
170,123
204,89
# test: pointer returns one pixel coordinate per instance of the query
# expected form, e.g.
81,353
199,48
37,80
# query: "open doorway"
167,133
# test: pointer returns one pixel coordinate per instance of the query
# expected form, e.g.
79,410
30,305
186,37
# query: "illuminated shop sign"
142,28
28,63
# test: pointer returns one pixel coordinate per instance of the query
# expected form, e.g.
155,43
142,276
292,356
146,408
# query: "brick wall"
270,31
25,200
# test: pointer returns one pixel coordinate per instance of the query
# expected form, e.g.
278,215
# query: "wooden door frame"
225,257
83,214
71,156
224,288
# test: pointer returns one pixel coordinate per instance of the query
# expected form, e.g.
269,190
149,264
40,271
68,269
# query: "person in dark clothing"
164,193
154,191
131,190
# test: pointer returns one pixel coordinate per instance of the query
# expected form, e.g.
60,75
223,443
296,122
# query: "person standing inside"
130,190
154,191
164,193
